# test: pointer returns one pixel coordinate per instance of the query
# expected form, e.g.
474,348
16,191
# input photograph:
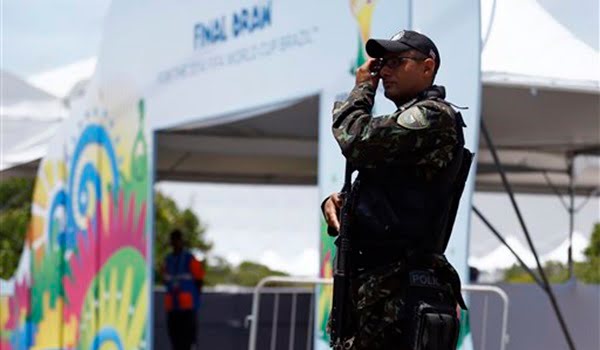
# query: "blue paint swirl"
106,335
60,200
93,134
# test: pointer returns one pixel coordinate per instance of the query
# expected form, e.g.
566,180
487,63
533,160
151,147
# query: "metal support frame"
570,206
253,318
546,285
503,241
571,210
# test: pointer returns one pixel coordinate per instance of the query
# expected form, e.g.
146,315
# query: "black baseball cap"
403,41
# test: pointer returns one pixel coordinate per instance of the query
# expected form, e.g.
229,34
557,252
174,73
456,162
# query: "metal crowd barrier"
482,288
252,319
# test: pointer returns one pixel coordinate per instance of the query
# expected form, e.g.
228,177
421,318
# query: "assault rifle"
341,315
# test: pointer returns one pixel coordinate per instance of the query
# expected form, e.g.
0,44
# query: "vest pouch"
434,324
436,327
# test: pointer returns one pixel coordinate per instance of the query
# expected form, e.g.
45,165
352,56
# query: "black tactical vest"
399,211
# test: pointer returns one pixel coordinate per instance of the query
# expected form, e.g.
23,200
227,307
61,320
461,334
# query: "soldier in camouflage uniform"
412,167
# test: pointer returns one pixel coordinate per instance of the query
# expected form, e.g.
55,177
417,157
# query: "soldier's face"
405,74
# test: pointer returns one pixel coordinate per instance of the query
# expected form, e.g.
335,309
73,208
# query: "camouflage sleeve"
422,134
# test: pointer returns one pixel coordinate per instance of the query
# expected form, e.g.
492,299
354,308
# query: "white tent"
541,43
61,81
541,96
501,258
559,253
29,118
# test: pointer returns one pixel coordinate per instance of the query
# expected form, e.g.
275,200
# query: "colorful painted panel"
83,280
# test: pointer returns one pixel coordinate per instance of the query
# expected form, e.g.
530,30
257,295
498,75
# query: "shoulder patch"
413,119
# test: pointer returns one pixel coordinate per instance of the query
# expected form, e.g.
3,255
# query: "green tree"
587,271
593,250
555,271
249,273
246,274
516,274
219,271
16,195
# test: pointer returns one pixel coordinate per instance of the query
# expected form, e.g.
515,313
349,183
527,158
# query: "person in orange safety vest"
183,276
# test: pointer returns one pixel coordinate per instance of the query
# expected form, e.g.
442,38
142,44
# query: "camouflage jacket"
422,132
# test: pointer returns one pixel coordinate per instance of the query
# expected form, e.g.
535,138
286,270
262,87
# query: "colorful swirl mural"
83,282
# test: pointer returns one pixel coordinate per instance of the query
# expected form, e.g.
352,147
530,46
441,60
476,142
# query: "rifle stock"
341,318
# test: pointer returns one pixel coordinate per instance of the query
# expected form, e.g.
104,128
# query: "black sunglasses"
395,61
391,62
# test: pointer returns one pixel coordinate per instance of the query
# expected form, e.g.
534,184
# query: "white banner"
204,60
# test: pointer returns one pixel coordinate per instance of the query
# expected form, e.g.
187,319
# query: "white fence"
252,319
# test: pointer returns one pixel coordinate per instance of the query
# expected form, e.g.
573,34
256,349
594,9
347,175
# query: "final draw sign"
245,20
281,38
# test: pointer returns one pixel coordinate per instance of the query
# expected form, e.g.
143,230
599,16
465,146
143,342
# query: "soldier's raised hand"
363,73
331,209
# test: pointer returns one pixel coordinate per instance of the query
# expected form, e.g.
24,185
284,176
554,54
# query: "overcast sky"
275,225
40,35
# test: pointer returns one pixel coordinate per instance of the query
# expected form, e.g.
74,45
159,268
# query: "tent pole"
503,241
555,190
571,215
508,189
